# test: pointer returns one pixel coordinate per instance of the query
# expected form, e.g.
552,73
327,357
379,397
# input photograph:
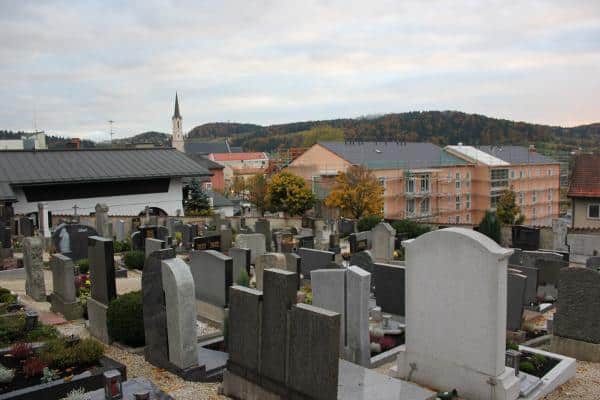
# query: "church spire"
176,113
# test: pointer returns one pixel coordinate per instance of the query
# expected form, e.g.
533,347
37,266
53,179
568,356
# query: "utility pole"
111,122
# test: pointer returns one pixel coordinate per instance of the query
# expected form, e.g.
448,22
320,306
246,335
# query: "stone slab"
315,259
390,285
265,261
329,292
33,249
213,275
516,285
244,326
97,318
358,289
102,269
153,245
241,259
253,241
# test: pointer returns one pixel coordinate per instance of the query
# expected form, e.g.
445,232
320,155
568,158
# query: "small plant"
122,246
125,319
6,375
527,367
49,375
77,394
21,350
134,259
6,296
512,345
368,223
308,297
84,266
178,238
538,360
33,367
243,279
58,355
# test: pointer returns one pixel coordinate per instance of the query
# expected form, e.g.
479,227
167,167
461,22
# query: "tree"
288,193
411,228
357,193
238,187
197,201
507,210
257,189
490,226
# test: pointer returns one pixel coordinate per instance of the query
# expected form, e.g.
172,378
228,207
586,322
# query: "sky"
69,67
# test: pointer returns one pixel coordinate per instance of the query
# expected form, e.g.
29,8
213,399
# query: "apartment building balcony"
419,194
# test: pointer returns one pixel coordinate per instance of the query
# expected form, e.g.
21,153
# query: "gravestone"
226,238
266,261
213,275
293,263
102,220
456,315
104,290
560,228
358,242
312,259
253,241
515,257
329,292
305,241
170,314
515,286
26,226
363,259
240,262
576,330
120,230
72,240
153,245
526,238
390,286
383,241
208,242
138,238
136,241
345,226
244,328
33,252
188,233
63,298
334,243
593,263
531,284
263,226
582,246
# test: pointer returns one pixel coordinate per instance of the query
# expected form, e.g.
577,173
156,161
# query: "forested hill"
53,142
440,127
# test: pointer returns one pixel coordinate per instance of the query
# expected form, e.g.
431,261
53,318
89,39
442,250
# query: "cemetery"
313,311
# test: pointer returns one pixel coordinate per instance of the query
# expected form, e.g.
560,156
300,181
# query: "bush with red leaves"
33,366
21,350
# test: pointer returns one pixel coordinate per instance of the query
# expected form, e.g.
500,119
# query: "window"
550,211
410,206
468,179
449,219
410,185
594,211
534,196
468,201
457,219
521,196
468,217
521,174
457,180
499,178
315,183
425,206
549,194
425,183
382,182
512,174
533,212
457,201
208,185
549,172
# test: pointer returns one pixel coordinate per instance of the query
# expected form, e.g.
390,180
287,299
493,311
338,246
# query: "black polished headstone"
390,288
102,269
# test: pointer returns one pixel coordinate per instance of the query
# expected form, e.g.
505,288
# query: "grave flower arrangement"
12,330
83,286
25,365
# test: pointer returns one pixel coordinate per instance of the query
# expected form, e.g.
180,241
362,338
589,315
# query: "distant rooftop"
205,161
200,146
391,155
585,179
238,156
500,155
475,155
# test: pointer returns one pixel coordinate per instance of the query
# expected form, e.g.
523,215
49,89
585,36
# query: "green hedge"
134,259
368,223
125,319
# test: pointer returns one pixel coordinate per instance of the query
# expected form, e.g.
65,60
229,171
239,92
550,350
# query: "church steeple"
177,140
176,113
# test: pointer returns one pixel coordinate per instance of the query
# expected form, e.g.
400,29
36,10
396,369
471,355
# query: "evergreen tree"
197,201
490,226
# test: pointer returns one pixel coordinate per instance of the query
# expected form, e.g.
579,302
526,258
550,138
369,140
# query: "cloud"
75,65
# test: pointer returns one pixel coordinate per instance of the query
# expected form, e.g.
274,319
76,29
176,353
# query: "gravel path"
585,385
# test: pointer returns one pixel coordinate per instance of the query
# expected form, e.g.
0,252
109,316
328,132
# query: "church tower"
177,139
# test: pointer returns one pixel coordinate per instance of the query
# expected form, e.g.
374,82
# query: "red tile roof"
585,178
237,156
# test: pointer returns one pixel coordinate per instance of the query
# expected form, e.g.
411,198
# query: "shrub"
526,367
134,259
21,350
409,227
512,345
368,223
490,226
6,296
84,353
84,266
122,246
243,279
33,366
125,319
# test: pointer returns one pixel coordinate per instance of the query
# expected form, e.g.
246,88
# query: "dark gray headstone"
213,275
102,269
6,237
549,270
263,226
363,259
390,288
314,352
72,240
345,226
26,226
525,238
593,263
208,242
315,259
244,327
305,241
515,257
226,239
293,263
155,312
578,308
278,297
515,285
358,242
531,285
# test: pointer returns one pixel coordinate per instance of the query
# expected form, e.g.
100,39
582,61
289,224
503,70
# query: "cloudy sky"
71,66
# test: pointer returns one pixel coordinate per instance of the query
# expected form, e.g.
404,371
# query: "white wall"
170,201
10,144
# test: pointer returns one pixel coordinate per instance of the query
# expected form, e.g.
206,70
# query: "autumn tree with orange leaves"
357,193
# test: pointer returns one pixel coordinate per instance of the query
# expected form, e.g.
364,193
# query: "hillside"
158,138
440,127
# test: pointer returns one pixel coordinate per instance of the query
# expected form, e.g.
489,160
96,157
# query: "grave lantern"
513,359
113,389
145,395
31,319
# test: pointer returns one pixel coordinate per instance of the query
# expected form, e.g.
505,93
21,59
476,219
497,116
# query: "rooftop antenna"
111,122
